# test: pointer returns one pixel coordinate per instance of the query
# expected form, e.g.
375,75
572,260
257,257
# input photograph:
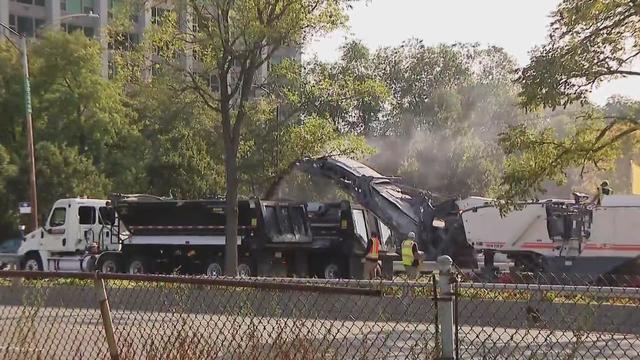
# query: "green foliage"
270,146
449,104
7,171
433,113
590,42
349,91
84,133
64,172
182,139
537,155
11,85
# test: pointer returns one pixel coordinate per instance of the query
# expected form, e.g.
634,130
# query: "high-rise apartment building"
29,17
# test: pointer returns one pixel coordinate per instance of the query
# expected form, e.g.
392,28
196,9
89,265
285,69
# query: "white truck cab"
73,235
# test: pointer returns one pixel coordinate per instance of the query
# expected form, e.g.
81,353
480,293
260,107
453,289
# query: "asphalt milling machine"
554,235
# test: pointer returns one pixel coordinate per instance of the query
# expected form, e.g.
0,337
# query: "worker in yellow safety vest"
410,256
372,257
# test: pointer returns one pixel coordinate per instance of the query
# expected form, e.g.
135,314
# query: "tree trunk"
231,210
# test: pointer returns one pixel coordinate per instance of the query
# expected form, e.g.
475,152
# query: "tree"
75,106
349,91
68,174
11,101
446,106
590,42
423,81
85,134
7,171
181,140
234,40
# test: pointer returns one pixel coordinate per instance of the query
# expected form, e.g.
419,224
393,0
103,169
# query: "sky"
515,25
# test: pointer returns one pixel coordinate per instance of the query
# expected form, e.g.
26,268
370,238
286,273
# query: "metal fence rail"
118,316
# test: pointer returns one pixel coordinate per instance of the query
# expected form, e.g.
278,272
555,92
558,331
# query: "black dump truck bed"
269,221
276,237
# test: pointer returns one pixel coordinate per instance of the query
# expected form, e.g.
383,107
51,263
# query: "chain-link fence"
546,316
58,316
118,316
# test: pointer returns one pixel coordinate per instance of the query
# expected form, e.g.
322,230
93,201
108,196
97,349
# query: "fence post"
18,280
445,307
105,312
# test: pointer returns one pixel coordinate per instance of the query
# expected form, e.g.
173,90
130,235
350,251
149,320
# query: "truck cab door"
54,234
88,228
107,234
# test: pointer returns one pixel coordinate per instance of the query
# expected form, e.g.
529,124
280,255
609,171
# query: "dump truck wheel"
332,271
214,268
138,265
108,265
244,269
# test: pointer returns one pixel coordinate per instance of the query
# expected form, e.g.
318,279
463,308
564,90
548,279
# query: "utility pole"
33,193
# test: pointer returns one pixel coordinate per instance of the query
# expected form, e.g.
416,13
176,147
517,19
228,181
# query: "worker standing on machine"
410,256
603,189
372,257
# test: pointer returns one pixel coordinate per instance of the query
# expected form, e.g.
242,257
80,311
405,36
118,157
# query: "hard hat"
412,235
605,183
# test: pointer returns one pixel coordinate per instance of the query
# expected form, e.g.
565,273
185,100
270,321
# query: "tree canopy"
590,42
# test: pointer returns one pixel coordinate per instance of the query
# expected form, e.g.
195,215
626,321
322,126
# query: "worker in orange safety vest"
372,257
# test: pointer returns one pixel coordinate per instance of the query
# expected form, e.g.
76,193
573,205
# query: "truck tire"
32,262
332,270
138,265
108,264
213,268
244,269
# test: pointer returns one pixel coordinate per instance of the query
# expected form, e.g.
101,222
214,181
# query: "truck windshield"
58,217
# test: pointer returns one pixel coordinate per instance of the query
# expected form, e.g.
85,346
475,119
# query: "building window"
70,28
25,26
124,42
32,2
88,6
273,62
73,28
79,6
63,5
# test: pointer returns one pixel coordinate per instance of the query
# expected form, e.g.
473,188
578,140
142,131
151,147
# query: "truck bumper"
10,261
